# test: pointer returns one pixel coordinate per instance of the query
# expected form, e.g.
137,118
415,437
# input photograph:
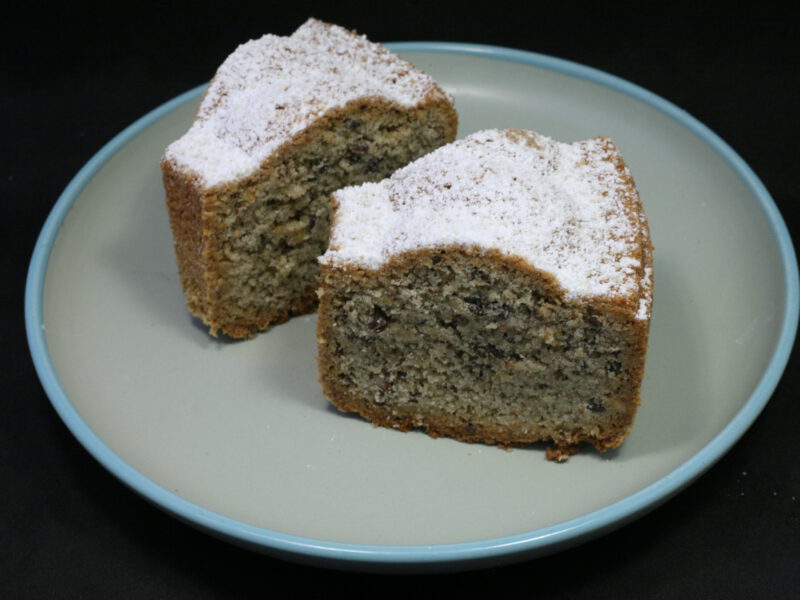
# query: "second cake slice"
497,290
286,121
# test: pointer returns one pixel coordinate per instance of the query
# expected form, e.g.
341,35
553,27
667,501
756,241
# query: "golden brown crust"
185,207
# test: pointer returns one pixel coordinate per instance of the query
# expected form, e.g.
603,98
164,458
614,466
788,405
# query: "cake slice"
286,121
497,290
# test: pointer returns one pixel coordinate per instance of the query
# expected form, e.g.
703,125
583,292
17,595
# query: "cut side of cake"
285,122
497,290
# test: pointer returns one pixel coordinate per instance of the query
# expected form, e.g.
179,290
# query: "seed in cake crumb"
595,405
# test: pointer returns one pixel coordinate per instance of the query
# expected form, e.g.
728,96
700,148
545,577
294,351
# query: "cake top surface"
568,209
270,89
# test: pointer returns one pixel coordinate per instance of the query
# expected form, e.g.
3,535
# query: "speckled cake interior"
286,121
498,290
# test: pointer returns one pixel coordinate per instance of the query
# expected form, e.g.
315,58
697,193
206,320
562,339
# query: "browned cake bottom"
478,347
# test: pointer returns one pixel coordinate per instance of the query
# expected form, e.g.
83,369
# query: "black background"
72,77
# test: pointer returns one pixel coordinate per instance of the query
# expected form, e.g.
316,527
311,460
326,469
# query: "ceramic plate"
236,438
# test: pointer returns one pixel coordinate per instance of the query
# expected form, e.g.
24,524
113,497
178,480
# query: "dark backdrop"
74,76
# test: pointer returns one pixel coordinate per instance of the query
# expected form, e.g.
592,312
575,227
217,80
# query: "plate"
235,437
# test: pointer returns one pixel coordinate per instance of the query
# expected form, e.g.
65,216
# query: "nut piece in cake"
497,290
286,121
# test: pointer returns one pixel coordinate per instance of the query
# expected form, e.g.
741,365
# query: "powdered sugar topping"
561,207
271,89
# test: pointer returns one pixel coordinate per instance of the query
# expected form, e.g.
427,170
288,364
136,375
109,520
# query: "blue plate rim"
530,543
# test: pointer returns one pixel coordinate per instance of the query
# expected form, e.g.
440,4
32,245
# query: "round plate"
236,438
